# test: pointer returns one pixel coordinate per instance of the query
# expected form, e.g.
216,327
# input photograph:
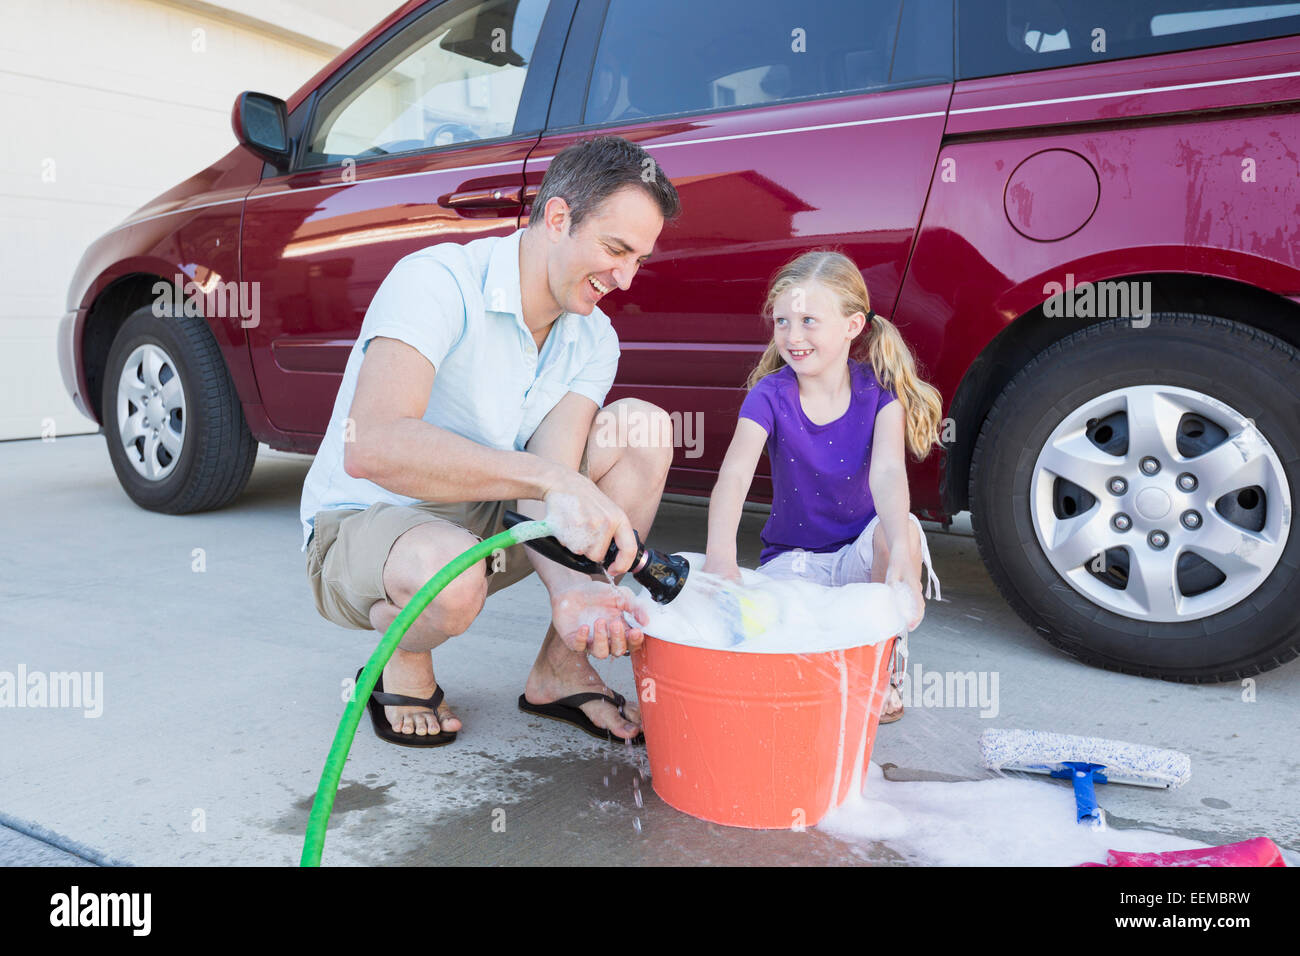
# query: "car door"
784,126
420,139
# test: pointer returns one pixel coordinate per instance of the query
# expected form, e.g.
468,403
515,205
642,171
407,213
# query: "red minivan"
1081,215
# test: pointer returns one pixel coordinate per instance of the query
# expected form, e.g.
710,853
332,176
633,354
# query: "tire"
196,453
1134,604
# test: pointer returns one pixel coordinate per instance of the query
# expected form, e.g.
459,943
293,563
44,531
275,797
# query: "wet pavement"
222,688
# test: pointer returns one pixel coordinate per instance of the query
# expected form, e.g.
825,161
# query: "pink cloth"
1261,851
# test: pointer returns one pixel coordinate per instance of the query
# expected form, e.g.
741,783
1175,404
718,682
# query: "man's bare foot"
411,673
559,672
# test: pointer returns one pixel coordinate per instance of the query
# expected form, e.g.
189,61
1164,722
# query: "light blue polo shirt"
460,306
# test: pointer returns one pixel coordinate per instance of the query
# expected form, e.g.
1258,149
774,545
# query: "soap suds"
766,616
567,525
1007,821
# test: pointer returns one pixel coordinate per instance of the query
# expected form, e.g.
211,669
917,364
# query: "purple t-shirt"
821,499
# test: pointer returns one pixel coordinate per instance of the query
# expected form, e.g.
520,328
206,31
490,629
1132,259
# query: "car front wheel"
175,429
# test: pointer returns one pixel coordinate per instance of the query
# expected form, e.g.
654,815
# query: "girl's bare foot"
893,708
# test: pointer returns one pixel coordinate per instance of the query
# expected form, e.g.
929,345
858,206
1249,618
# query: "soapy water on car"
1005,821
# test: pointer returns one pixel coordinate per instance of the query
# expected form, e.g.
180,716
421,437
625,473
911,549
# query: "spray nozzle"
662,575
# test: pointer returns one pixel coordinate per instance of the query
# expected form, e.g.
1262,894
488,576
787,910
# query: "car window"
997,37
680,56
924,51
455,75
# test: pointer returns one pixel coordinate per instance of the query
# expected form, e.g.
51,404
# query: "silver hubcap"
1160,503
151,412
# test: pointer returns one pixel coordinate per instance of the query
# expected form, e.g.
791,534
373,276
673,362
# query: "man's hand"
585,520
589,618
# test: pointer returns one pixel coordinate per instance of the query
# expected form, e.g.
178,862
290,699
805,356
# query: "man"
473,388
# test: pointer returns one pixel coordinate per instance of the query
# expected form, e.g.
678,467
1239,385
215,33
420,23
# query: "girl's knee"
914,533
880,552
879,546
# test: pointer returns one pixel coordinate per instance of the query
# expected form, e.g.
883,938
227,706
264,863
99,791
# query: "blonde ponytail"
881,344
895,369
768,363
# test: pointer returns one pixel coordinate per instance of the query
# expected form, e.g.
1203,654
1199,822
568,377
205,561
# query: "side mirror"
261,125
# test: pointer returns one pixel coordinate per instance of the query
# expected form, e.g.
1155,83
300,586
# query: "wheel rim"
1160,503
151,412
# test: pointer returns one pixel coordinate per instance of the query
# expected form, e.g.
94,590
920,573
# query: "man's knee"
639,430
459,602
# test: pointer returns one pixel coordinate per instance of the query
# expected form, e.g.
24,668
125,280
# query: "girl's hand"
897,575
728,498
723,569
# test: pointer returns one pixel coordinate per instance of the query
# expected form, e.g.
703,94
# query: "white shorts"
851,564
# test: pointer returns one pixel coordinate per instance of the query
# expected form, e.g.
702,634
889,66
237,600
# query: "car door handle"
530,193
498,197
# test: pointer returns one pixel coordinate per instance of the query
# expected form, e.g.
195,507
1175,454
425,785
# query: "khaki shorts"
348,549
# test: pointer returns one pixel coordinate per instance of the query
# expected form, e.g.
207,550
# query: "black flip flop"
384,730
567,710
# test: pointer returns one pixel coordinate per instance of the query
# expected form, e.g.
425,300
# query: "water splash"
842,667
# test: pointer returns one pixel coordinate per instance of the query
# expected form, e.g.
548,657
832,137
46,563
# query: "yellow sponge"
758,612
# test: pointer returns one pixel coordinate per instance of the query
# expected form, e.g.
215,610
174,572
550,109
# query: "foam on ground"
1007,821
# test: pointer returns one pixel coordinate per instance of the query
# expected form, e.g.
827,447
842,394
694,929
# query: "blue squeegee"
1085,761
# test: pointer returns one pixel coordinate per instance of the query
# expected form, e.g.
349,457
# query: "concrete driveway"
221,690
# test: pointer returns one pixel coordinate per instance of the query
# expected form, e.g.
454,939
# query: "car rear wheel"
175,429
1132,495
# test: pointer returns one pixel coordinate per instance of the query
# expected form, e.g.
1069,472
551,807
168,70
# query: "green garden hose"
314,844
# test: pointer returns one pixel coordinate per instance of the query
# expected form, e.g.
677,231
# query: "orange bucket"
764,741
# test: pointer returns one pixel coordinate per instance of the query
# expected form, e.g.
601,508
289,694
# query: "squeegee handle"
1085,797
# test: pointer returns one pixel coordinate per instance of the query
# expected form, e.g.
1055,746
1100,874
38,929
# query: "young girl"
834,399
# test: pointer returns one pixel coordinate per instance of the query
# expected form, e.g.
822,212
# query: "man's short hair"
586,173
